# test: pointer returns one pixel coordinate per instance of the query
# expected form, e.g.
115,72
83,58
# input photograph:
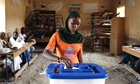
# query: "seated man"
23,36
5,44
130,58
134,63
138,67
16,41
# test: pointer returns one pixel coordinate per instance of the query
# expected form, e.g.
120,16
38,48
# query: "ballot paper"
6,50
137,48
72,67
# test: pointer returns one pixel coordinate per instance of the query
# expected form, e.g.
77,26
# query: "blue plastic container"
81,73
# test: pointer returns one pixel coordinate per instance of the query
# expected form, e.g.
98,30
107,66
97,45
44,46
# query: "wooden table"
16,53
130,50
134,52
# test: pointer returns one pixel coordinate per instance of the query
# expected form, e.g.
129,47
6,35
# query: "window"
121,11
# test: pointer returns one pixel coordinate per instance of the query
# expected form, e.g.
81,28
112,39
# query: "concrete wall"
132,20
86,25
132,29
15,15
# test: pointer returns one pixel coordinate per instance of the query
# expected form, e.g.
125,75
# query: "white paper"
72,67
6,50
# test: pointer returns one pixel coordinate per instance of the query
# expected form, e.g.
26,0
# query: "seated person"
131,58
133,64
138,67
16,41
5,44
23,36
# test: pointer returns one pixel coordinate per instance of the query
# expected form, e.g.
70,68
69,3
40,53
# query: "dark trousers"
25,56
130,58
138,67
28,57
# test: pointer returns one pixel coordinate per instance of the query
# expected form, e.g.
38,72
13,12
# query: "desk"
16,53
130,50
134,52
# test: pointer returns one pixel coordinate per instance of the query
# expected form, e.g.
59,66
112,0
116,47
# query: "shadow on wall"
131,41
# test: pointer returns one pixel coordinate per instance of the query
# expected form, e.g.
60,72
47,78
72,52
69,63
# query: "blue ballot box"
84,73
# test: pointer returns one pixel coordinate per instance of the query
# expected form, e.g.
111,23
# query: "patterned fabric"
63,49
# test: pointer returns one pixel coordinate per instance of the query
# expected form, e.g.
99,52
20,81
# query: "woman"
67,41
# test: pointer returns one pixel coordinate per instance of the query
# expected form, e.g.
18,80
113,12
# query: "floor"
34,74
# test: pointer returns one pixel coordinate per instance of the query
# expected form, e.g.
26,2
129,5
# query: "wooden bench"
16,53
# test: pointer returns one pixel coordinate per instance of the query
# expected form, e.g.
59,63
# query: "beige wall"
15,15
86,25
132,20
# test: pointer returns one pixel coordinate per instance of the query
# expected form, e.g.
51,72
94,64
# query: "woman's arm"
47,54
80,58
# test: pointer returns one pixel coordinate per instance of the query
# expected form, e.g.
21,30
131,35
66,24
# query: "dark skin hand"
50,56
14,48
67,62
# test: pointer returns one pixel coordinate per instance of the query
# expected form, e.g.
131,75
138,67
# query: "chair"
92,43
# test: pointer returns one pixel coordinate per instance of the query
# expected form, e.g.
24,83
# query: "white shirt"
17,60
16,43
22,36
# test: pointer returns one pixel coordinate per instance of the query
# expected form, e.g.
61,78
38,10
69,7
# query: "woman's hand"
66,61
47,54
